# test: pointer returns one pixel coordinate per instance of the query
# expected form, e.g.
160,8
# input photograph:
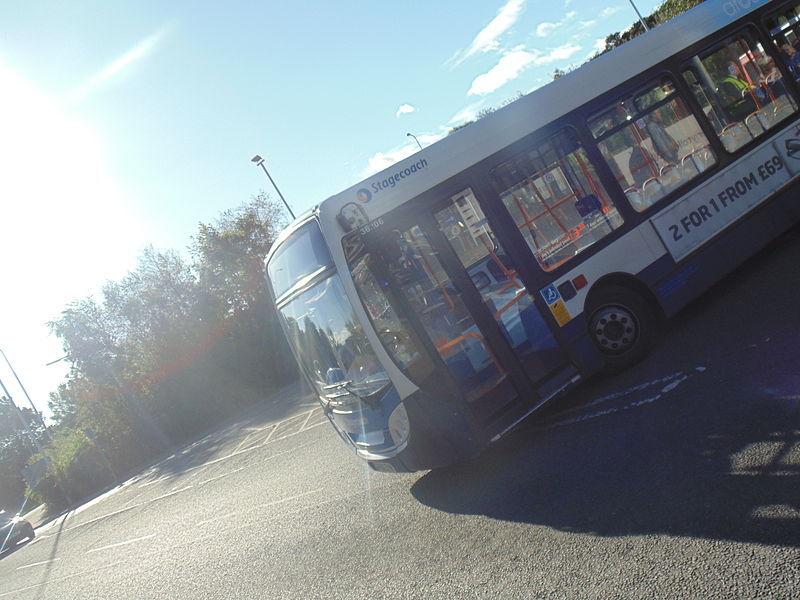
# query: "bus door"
465,293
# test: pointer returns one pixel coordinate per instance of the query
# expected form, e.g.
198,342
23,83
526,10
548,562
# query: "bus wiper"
348,388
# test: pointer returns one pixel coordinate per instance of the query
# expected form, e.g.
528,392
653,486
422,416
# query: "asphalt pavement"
679,478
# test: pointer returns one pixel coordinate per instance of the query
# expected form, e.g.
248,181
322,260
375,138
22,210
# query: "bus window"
492,271
652,143
784,28
741,91
556,199
302,255
394,333
428,291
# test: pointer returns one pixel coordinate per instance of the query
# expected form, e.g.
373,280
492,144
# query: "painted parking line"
168,494
220,476
125,543
38,564
286,427
111,514
668,384
266,505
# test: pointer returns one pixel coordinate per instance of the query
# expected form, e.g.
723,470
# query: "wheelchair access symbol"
550,294
556,305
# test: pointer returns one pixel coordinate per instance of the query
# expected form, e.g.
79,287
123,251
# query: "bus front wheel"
622,325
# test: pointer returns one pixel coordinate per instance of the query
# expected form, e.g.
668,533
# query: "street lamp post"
25,425
638,14
415,139
24,391
260,162
32,435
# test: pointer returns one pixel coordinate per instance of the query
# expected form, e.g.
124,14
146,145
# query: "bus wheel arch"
622,317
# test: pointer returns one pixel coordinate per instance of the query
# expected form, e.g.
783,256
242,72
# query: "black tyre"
622,325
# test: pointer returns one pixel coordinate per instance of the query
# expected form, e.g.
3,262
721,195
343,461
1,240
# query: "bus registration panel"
712,207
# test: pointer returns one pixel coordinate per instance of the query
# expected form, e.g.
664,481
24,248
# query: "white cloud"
607,12
113,70
404,109
508,68
545,29
488,37
514,63
562,52
383,160
468,113
598,46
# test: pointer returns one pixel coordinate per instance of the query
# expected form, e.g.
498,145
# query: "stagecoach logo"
734,7
364,195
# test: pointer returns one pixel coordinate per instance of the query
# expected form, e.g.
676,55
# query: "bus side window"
740,89
784,28
652,143
545,190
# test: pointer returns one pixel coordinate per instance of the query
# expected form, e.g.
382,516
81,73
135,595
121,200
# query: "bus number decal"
371,226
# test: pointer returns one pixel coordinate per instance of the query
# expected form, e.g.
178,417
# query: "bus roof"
379,193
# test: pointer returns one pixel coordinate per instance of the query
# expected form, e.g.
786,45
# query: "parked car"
14,529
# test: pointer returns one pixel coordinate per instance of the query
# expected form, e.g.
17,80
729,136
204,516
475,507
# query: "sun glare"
67,225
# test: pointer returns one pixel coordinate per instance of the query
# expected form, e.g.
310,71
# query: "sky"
125,124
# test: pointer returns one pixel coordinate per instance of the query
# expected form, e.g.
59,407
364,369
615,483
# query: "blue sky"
126,124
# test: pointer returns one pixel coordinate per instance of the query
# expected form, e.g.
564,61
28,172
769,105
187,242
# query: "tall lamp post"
24,391
638,14
260,162
415,139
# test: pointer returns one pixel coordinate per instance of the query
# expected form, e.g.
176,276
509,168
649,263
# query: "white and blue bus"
435,305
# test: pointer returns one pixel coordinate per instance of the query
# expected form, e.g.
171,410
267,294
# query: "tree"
666,11
169,350
16,449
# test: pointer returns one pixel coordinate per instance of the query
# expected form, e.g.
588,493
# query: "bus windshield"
330,342
302,255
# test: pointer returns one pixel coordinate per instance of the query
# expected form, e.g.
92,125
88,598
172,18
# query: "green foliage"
666,11
16,449
76,469
166,352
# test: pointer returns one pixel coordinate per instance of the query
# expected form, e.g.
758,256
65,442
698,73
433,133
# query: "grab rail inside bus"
447,345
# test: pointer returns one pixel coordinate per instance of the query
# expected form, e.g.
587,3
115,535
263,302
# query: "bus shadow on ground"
732,475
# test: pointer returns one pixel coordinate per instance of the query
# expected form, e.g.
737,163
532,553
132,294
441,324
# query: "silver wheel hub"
615,329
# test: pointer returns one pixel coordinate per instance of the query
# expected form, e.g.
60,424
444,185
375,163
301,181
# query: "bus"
437,304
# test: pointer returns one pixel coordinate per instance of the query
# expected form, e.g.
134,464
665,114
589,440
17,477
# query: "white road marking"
111,514
303,426
38,564
631,390
672,382
125,543
168,494
220,476
266,505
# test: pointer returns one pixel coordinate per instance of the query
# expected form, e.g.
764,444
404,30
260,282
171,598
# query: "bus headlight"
399,426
